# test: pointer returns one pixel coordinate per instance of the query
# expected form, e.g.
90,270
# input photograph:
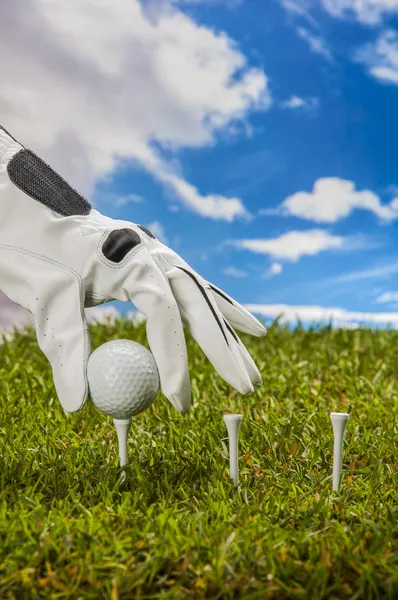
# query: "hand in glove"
58,255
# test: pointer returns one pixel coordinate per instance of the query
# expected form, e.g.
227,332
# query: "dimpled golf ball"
123,378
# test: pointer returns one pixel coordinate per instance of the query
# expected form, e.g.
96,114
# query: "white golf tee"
339,422
122,429
233,423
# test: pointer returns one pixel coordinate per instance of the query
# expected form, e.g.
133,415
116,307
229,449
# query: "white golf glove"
58,255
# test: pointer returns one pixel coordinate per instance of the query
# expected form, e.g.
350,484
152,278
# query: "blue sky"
262,147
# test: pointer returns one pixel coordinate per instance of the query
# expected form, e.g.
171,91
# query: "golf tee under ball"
233,423
122,429
339,422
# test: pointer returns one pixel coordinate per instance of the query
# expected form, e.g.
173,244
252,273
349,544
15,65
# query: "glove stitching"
45,258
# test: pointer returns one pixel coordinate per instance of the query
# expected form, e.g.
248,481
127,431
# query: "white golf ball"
123,378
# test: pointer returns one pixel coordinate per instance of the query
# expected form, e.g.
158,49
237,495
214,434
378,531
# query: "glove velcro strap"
37,179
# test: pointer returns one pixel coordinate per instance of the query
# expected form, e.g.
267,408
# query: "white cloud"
381,57
293,245
295,102
276,268
316,43
312,314
213,205
299,8
369,12
120,201
332,199
226,3
234,272
387,298
88,84
116,200
379,272
158,231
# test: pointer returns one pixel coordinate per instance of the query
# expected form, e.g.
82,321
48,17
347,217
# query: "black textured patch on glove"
119,243
37,179
147,231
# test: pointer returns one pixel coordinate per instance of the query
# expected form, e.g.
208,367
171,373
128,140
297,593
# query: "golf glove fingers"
59,255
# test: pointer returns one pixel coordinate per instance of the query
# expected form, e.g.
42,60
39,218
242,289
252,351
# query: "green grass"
177,529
